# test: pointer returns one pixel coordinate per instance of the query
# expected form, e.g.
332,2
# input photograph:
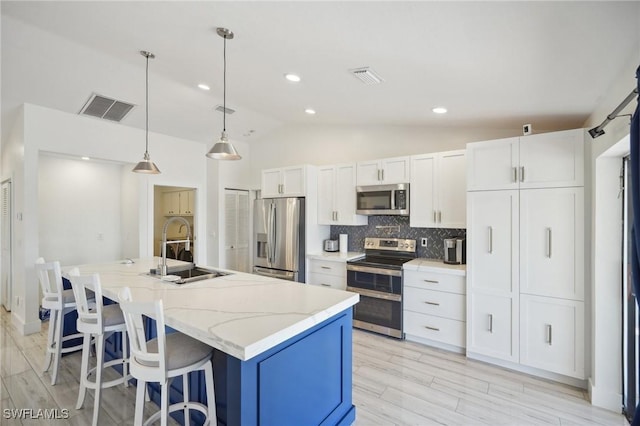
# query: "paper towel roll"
344,243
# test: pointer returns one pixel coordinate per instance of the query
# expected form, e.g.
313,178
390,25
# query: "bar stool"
60,302
164,358
98,321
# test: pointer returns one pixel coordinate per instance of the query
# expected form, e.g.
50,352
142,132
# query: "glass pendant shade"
223,150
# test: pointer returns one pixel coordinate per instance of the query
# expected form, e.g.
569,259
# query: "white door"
422,192
492,326
326,185
552,335
452,190
492,164
395,170
345,196
553,159
368,173
237,228
552,242
293,181
6,276
492,241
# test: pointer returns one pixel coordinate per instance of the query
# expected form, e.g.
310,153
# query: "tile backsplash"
397,227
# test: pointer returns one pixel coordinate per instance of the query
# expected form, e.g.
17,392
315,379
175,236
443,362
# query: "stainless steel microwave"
383,199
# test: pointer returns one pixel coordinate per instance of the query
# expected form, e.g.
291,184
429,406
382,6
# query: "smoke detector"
366,75
106,108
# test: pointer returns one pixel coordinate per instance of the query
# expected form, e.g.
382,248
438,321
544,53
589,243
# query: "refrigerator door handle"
272,237
269,233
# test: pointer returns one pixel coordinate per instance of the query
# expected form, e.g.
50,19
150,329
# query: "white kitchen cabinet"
536,161
438,190
552,335
383,172
552,242
178,203
186,202
284,182
327,273
492,326
337,196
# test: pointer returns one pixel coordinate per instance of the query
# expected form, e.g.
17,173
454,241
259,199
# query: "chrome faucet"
187,243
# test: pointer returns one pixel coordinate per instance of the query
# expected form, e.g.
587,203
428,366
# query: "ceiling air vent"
225,110
366,75
106,108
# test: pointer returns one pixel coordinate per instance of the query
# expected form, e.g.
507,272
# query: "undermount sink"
187,274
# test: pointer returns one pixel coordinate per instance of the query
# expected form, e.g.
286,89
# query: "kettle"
455,251
330,245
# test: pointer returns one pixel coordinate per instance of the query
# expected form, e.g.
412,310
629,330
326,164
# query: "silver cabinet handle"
382,174
379,174
439,216
432,303
435,220
490,323
326,285
522,174
432,328
337,216
431,281
515,174
549,243
325,267
549,334
491,240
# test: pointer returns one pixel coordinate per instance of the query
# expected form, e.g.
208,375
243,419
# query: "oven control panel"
391,244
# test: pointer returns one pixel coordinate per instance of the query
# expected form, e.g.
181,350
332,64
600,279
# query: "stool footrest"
180,406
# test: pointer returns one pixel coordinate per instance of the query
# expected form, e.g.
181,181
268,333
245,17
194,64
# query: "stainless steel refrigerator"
279,238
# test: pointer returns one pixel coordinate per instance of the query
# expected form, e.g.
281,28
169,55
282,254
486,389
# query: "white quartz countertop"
336,256
240,314
434,265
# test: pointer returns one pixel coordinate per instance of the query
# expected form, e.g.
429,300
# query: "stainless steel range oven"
378,279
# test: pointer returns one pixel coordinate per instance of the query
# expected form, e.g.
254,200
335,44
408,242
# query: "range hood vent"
106,108
227,110
366,75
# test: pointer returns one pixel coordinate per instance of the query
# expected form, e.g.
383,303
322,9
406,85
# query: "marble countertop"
434,265
336,256
240,314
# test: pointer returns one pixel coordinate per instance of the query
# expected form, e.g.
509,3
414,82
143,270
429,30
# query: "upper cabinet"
178,203
537,161
284,182
337,196
385,171
438,190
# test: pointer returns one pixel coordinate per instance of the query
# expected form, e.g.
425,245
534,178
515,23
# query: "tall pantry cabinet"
525,237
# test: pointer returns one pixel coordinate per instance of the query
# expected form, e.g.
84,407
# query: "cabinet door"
326,196
552,335
345,196
368,173
552,159
171,203
492,326
271,180
552,242
492,164
186,202
293,181
492,241
451,190
422,191
395,170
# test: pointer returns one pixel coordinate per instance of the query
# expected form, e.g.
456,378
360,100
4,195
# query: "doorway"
174,201
6,277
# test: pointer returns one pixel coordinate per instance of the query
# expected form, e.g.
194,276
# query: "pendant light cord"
224,86
146,146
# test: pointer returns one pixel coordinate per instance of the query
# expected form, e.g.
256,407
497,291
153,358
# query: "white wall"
79,216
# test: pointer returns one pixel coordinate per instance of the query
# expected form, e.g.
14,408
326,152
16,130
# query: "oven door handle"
376,294
380,271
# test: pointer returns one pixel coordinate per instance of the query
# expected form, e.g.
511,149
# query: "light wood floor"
394,383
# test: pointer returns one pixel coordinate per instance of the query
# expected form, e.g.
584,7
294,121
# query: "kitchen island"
283,349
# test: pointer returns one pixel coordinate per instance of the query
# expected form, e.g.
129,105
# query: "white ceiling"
492,64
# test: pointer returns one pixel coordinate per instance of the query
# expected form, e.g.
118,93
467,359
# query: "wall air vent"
366,75
106,108
220,108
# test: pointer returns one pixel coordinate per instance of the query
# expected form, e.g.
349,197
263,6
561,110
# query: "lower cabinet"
326,273
552,334
493,326
434,309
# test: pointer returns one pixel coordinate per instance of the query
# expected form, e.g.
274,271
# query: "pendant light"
146,165
223,149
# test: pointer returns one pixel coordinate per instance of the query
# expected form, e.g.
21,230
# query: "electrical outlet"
423,242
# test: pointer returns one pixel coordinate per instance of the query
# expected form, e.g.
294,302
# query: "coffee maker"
455,251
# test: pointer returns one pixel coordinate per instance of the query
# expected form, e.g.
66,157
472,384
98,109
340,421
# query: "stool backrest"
50,278
90,317
152,366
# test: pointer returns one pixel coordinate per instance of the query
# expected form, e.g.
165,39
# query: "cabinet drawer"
435,328
327,267
325,280
438,303
435,281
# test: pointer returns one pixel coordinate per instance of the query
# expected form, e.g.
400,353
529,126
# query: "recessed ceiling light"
86,158
292,78
204,86
439,110
310,111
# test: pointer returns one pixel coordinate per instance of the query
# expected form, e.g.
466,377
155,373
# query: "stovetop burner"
389,253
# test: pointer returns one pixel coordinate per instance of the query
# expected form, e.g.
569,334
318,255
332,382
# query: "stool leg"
211,394
58,346
164,406
125,357
185,398
140,396
84,369
50,339
97,397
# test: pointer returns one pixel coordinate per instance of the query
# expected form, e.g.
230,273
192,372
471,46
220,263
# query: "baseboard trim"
25,328
606,399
